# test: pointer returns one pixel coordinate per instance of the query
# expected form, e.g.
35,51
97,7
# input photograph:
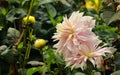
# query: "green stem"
29,30
30,9
29,44
24,31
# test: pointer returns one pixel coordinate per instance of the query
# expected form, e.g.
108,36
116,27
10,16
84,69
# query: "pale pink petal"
77,43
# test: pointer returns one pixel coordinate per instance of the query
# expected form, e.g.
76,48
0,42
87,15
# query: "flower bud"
31,20
39,42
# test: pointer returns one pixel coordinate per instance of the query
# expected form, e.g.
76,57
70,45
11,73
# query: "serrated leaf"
115,17
116,73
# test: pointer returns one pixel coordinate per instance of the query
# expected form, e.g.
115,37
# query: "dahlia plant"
78,43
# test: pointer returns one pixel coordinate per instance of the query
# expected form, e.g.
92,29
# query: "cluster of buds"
28,20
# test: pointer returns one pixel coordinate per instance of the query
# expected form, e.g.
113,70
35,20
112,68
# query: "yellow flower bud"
31,20
39,42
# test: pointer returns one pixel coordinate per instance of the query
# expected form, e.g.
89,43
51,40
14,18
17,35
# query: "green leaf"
59,59
4,11
10,56
80,73
117,60
1,27
13,1
106,15
42,69
97,73
51,10
11,18
11,14
5,52
115,17
13,32
106,33
20,46
24,1
117,1
52,13
116,73
2,48
45,1
31,71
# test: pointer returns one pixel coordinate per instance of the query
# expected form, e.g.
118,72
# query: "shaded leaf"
97,73
45,1
31,71
51,10
106,15
117,60
11,14
10,56
1,27
5,52
13,1
115,17
116,73
12,35
2,48
42,69
24,1
52,13
80,73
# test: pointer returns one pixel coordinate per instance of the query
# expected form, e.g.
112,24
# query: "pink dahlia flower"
74,31
77,43
88,51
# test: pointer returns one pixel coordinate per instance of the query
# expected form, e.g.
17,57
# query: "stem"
19,40
30,9
13,67
29,42
21,36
